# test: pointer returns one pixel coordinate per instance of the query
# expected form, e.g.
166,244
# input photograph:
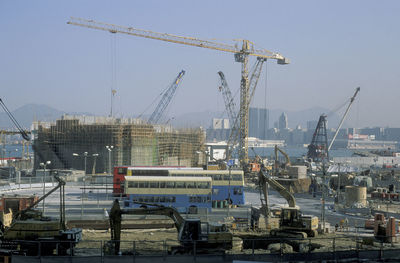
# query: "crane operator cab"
205,235
291,217
190,231
294,221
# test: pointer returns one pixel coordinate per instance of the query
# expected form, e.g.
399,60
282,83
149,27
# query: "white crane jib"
241,52
344,117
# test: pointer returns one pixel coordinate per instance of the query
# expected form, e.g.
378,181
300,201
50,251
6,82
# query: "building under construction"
79,141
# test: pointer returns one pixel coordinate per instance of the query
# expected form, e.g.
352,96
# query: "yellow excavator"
190,231
291,221
281,169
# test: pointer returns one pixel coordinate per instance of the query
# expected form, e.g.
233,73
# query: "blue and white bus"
226,185
183,193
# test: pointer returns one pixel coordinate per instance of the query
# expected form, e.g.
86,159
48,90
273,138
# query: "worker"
344,224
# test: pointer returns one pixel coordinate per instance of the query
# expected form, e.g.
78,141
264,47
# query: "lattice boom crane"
166,99
241,53
230,104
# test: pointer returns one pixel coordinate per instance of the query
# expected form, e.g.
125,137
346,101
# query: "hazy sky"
334,46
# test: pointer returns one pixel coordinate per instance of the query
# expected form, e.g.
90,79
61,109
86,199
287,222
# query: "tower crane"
230,104
166,99
241,53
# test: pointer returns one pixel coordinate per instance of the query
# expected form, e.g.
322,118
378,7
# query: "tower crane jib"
241,55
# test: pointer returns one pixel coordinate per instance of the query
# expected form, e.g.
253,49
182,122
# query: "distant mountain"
26,114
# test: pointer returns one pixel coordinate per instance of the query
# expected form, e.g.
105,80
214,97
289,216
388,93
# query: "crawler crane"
30,225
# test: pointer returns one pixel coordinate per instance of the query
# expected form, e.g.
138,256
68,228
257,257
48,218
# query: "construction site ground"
159,234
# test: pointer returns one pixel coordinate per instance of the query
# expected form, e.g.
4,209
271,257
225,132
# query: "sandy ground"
145,241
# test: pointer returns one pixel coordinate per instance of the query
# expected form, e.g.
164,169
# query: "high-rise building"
258,123
283,121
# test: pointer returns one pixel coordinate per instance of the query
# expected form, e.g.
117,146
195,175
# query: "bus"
227,185
186,194
121,171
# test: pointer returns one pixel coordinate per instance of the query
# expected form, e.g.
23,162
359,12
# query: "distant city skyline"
333,46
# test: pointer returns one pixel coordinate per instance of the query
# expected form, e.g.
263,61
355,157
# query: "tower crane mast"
241,52
230,104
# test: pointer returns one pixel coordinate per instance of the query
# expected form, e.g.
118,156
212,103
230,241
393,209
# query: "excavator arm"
264,180
23,213
288,163
116,218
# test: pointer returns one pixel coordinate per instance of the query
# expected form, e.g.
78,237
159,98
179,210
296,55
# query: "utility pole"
323,195
229,190
44,182
109,148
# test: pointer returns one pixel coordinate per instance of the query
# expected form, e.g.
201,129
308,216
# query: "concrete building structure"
80,143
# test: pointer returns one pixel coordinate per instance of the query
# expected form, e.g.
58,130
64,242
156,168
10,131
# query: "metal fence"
247,249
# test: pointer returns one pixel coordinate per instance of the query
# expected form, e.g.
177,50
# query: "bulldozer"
291,221
206,237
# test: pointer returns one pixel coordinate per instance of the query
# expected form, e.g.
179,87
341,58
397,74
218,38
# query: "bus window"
180,185
153,184
226,177
190,184
216,177
162,199
133,184
236,177
156,199
170,184
237,191
203,185
170,199
162,184
143,184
